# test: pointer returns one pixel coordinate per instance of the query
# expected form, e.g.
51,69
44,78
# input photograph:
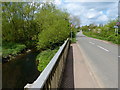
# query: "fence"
52,74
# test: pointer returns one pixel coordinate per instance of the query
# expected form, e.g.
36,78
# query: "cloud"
92,12
57,2
91,0
112,12
74,9
102,18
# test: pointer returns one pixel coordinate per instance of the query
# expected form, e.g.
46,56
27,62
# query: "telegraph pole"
71,30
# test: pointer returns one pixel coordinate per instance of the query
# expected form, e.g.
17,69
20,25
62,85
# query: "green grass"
44,58
73,40
9,48
112,38
0,51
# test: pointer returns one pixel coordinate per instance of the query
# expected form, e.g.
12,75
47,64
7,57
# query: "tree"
55,27
18,21
31,24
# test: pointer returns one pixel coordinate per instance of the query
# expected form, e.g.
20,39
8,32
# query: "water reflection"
20,71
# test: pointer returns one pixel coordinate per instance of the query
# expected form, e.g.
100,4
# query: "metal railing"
52,74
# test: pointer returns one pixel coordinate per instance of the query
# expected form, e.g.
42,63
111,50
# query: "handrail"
51,75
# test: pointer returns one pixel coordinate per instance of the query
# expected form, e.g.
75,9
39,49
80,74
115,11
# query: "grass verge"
112,38
44,58
11,49
73,40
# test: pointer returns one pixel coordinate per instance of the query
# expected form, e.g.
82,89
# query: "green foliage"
106,32
30,24
55,27
73,40
12,48
44,58
18,24
74,32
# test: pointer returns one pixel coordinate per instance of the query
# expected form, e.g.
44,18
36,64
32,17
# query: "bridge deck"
77,73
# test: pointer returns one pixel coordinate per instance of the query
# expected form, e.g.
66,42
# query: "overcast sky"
91,11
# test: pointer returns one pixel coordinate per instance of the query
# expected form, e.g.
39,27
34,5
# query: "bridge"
69,69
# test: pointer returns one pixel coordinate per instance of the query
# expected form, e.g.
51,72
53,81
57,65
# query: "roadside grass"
11,49
0,51
73,40
112,38
44,58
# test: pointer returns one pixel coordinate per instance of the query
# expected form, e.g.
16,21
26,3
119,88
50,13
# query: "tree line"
105,32
34,24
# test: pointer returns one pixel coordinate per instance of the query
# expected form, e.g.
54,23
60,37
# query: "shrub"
11,48
55,27
44,58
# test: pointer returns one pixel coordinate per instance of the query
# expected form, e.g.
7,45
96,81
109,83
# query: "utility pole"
71,30
71,34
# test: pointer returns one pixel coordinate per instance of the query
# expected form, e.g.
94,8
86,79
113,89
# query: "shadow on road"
68,75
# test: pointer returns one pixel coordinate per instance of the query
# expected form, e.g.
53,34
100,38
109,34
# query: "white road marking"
103,48
118,56
91,42
100,40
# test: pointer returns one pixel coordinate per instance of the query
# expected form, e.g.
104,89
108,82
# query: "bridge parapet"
52,74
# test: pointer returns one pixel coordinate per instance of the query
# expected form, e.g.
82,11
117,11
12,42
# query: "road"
102,58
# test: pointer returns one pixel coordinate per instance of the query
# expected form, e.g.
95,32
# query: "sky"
90,11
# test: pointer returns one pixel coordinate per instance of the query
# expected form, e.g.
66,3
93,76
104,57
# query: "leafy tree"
18,21
106,32
55,27
29,23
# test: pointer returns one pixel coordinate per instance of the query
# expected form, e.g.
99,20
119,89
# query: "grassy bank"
44,58
11,49
109,31
112,38
73,40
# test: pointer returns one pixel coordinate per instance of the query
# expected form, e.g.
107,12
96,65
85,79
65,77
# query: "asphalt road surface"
102,58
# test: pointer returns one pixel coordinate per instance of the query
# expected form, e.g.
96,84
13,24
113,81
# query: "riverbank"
11,50
19,71
44,57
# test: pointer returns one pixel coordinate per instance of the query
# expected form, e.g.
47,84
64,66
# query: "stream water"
20,71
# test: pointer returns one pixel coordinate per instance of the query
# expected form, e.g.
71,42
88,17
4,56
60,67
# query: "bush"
73,40
51,37
11,48
44,58
55,28
107,32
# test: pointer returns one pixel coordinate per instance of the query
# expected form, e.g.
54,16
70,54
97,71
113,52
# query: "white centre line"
91,42
102,48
